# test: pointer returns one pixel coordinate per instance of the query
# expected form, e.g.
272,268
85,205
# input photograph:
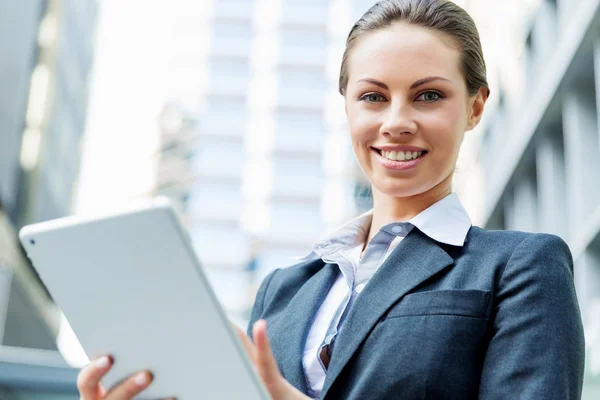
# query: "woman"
410,301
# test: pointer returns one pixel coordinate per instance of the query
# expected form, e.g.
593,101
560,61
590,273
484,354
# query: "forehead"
404,51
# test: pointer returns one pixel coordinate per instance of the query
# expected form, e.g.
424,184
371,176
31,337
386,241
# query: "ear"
476,106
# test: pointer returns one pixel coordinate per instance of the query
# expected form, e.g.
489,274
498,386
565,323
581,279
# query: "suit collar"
416,259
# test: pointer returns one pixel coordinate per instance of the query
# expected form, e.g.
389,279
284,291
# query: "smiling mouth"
401,155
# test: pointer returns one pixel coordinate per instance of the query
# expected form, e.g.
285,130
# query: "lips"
399,147
400,160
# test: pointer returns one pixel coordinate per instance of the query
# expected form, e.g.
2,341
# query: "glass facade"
541,174
48,47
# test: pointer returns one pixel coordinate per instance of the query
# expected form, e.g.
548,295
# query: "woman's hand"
90,388
265,364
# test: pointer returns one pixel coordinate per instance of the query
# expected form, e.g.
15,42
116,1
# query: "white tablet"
131,285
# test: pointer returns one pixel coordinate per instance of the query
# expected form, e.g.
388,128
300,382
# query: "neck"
387,208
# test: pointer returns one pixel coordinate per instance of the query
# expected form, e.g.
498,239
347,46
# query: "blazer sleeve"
537,347
259,302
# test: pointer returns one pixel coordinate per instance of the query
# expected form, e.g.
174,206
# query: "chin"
401,187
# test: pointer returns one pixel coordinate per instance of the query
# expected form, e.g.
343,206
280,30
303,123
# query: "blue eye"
372,98
430,96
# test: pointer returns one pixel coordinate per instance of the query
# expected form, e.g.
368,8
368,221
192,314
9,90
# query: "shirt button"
397,229
359,288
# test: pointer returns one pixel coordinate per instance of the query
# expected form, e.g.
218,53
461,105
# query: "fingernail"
102,362
141,379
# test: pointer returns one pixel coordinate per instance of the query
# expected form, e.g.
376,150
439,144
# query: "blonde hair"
441,15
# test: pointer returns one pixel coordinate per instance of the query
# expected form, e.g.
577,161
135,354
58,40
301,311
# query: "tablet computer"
130,285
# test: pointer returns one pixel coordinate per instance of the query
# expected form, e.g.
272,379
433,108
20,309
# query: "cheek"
444,130
360,120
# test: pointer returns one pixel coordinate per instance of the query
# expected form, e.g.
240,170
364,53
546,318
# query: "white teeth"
401,155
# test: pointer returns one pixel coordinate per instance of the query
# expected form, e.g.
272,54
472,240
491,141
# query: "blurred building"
541,148
258,158
19,25
56,110
47,50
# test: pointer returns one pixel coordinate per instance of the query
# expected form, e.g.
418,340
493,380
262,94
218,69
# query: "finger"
248,345
130,387
88,380
265,362
275,383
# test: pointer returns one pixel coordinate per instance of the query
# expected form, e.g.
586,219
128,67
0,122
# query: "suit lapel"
416,259
288,334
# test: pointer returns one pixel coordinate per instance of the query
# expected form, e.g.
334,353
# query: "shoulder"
503,238
300,271
533,257
539,256
289,279
515,242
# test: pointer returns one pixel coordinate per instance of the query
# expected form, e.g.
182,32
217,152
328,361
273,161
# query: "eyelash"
440,96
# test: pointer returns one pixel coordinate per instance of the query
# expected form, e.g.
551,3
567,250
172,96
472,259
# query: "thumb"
265,361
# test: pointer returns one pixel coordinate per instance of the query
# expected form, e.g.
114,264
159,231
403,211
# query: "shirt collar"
445,221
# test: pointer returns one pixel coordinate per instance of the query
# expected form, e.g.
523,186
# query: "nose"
398,121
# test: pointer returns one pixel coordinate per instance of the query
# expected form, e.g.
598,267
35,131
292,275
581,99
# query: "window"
290,77
218,160
215,201
229,76
300,121
232,30
304,87
279,257
305,98
231,287
296,222
224,68
298,177
313,13
299,130
304,38
232,38
226,106
219,245
223,124
234,9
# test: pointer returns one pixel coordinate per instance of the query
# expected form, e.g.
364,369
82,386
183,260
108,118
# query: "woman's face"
408,109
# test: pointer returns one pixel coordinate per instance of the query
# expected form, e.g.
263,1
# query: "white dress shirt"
445,221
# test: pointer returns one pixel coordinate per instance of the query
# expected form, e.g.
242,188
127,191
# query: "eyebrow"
415,85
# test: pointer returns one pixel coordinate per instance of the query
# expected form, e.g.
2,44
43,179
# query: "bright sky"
127,92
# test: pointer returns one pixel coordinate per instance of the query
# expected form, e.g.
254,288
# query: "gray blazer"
495,319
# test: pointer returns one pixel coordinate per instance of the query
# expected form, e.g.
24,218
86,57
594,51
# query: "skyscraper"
256,149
